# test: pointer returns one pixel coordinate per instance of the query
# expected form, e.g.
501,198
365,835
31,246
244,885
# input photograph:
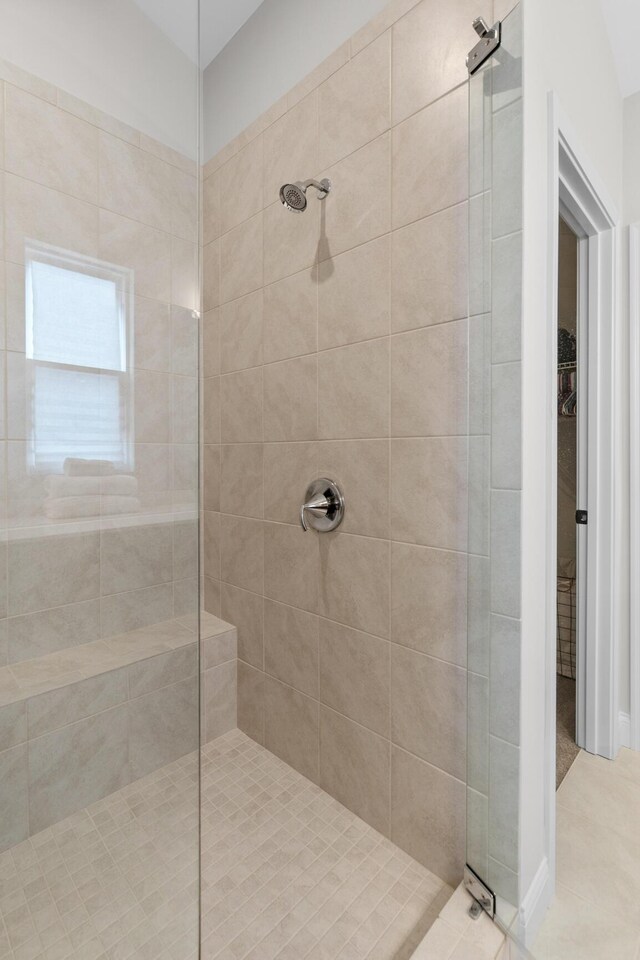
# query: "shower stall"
256,533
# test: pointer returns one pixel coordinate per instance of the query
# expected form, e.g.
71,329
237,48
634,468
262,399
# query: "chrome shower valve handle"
323,508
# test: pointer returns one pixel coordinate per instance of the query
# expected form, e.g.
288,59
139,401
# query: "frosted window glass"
75,318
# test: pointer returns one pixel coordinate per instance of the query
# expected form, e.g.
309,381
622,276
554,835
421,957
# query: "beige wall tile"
291,566
38,634
211,222
291,727
184,273
51,711
241,406
242,553
429,709
136,608
291,240
355,102
288,470
211,536
241,189
13,724
51,571
241,255
291,400
35,212
211,343
429,381
211,410
354,768
437,136
211,275
354,675
134,183
242,479
354,585
433,832
45,144
353,295
358,208
428,492
184,342
220,700
184,205
429,601
163,726
429,279
141,248
251,701
184,409
152,406
291,147
291,646
132,557
241,332
244,611
152,335
211,593
77,765
290,317
353,391
361,468
425,66
14,785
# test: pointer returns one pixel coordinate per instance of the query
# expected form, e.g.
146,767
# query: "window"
77,348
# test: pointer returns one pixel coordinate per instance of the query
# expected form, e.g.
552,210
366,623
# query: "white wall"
632,159
277,47
108,53
572,59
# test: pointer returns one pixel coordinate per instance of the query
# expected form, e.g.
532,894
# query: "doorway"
569,584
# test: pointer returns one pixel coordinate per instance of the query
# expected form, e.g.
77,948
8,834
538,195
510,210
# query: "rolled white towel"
77,467
73,508
119,485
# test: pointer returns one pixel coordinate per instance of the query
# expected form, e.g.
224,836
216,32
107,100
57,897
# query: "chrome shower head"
294,195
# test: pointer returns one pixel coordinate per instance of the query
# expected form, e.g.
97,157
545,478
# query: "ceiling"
220,20
623,26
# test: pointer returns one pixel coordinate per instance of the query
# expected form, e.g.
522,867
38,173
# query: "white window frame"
122,277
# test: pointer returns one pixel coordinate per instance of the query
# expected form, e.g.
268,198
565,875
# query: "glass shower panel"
99,643
494,468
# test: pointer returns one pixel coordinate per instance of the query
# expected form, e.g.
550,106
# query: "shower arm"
323,187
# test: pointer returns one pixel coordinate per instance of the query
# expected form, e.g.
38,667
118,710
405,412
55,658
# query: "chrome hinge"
484,897
490,40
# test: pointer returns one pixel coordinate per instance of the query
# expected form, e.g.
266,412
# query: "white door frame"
574,186
634,464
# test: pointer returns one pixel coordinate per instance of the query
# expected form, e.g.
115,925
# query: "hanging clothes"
567,393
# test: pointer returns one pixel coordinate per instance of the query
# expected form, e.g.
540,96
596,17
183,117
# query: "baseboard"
535,904
624,730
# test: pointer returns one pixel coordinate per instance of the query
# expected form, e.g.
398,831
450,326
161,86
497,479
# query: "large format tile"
292,566
354,675
34,212
241,255
429,381
428,492
358,208
219,700
251,701
291,400
355,102
430,45
353,391
77,765
132,557
288,470
163,726
14,823
576,927
241,192
435,137
50,146
38,634
291,241
291,646
76,701
433,832
160,671
244,611
429,709
242,484
134,183
361,468
291,727
291,147
353,295
140,248
51,571
429,279
354,582
135,609
354,767
241,332
290,317
241,409
429,601
242,554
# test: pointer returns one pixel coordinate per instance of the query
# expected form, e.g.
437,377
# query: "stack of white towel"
89,488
